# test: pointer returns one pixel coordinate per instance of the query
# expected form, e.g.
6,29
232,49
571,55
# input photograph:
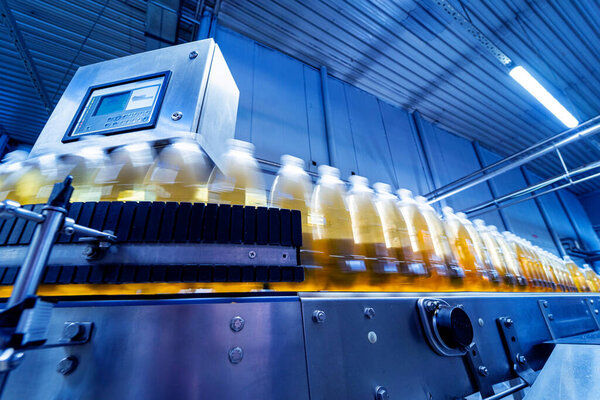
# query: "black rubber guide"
30,226
287,274
274,274
274,226
112,216
296,228
73,213
234,274
99,215
249,225
96,274
247,273
196,222
237,224
159,273
154,219
223,223
15,235
262,225
220,273
139,221
127,274
85,217
82,274
174,273
262,274
298,274
111,274
168,222
189,273
182,222
10,276
205,273
66,274
209,232
51,275
6,229
126,220
286,227
142,273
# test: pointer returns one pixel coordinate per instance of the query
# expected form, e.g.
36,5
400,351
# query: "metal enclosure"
200,88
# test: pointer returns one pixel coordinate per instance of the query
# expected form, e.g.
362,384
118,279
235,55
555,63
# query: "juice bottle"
34,183
592,278
85,166
411,267
541,265
421,243
511,260
241,181
462,245
503,279
576,274
554,272
12,168
490,274
179,173
524,258
369,241
123,178
332,234
292,190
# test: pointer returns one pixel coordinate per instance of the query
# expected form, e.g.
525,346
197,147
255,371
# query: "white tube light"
530,84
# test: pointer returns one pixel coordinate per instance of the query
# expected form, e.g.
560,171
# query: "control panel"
119,107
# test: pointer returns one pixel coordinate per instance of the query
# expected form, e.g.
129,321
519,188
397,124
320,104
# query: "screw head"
521,359
319,316
236,355
176,116
369,312
480,322
69,230
72,330
67,365
591,301
372,337
551,317
88,251
237,323
193,54
508,322
483,371
381,393
596,311
431,306
545,303
251,254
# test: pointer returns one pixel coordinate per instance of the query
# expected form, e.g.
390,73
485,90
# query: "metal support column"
331,153
418,134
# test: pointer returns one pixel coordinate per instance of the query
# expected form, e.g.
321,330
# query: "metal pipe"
534,187
37,255
554,189
505,393
467,181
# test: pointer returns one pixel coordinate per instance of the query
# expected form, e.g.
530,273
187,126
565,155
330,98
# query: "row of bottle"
356,240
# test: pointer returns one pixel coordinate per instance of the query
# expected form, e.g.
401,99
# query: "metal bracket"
593,311
74,334
516,358
548,317
479,371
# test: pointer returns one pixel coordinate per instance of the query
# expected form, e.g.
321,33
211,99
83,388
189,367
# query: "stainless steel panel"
572,372
196,84
172,349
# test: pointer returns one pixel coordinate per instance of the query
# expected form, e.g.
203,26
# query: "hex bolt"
319,316
508,322
88,251
551,317
591,301
596,311
483,371
381,393
372,337
432,305
480,322
521,359
545,303
69,230
237,323
235,355
67,365
369,312
193,54
72,330
251,254
176,116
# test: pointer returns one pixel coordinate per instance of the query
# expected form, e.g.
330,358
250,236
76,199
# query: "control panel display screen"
120,107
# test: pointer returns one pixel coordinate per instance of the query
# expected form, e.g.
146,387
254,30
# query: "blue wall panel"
315,119
591,204
580,220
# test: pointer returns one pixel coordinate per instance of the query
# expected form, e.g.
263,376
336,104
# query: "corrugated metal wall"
281,112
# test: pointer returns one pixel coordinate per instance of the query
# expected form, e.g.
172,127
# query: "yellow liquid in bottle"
592,279
240,182
525,262
85,167
332,233
411,268
123,178
503,280
369,240
179,173
292,189
576,275
513,268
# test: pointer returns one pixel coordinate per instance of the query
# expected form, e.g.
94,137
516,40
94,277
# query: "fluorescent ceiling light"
525,79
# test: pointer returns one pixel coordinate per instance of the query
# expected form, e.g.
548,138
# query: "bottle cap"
357,180
288,160
240,145
328,170
447,211
382,188
479,223
462,215
493,228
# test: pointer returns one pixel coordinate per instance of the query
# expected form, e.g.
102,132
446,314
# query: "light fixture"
530,84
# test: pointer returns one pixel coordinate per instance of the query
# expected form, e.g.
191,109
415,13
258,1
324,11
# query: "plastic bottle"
85,166
12,168
524,258
369,239
35,182
179,173
492,276
592,278
463,247
576,274
332,233
505,280
411,267
240,182
123,178
542,264
510,257
292,189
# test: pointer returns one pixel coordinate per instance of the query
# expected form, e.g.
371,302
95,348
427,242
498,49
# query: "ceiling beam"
9,20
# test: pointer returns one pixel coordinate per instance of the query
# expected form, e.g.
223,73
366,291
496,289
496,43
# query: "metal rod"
507,392
554,189
328,118
534,187
564,165
552,143
38,252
